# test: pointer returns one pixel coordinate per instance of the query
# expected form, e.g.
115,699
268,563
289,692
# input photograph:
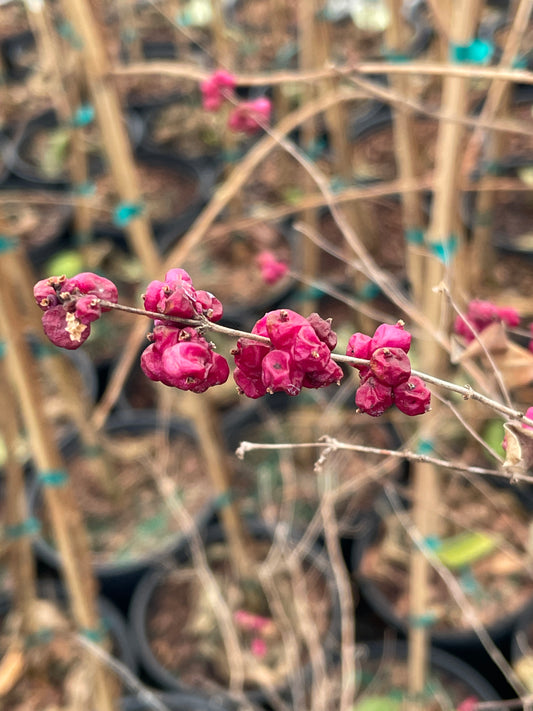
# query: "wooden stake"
21,561
482,255
443,225
307,38
112,128
64,514
406,153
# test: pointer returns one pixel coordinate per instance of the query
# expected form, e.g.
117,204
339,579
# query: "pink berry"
87,310
282,327
390,365
209,305
212,89
279,373
258,647
308,352
323,330
387,336
359,346
509,316
154,296
249,355
248,116
94,284
251,386
412,397
332,373
45,294
186,364
272,270
64,329
373,397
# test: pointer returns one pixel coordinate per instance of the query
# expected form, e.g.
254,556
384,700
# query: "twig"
466,391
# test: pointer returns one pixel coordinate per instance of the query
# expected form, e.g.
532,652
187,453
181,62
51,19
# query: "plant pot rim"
440,659
214,534
452,640
109,570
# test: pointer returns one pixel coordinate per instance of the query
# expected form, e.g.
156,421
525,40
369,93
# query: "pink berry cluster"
247,116
272,269
71,305
481,314
387,379
298,355
180,356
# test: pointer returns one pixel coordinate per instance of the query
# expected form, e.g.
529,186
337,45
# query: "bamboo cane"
64,514
307,38
482,254
113,131
337,121
443,224
406,154
278,20
21,561
119,153
55,60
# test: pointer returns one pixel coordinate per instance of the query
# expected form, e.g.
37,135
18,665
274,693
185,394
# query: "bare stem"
466,391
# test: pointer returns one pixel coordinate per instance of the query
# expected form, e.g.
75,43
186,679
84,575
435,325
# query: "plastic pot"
143,594
118,578
200,142
33,175
460,642
19,53
520,641
110,616
448,670
177,702
167,230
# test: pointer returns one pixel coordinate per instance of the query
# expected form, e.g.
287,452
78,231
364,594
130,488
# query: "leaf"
519,451
524,670
514,362
526,174
54,156
378,703
465,548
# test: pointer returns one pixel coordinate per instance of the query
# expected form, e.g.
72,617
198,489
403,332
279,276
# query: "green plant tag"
465,548
378,703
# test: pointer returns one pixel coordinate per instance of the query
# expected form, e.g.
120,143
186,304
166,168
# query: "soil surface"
497,584
166,192
184,631
225,266
132,516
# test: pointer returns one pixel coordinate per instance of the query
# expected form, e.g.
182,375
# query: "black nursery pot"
175,702
200,179
447,668
118,578
19,52
522,636
140,606
459,642
111,618
29,173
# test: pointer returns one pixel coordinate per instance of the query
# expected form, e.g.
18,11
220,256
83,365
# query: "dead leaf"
519,451
514,362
